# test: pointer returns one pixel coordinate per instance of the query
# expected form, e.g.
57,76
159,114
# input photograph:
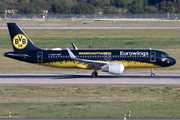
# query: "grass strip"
55,101
96,23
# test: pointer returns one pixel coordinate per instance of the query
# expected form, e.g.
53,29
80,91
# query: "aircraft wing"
89,63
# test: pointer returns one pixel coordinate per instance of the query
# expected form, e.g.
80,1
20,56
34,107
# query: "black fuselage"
131,58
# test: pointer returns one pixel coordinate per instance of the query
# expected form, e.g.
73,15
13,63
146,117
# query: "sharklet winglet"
74,46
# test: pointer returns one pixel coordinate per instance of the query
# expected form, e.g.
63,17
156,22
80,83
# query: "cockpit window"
164,55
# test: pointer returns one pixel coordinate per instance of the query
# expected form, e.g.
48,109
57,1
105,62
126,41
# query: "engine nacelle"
113,69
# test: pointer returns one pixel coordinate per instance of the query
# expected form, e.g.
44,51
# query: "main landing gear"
95,73
152,73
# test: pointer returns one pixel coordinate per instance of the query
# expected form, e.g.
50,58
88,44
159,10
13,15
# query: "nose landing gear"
152,73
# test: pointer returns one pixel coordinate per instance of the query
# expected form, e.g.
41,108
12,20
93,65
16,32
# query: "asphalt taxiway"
164,79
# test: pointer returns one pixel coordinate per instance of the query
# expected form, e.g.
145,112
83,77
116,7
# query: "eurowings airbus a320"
113,61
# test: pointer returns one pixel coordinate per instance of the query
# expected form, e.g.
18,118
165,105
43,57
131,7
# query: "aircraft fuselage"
137,58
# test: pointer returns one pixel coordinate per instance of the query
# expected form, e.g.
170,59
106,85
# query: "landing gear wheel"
152,75
94,74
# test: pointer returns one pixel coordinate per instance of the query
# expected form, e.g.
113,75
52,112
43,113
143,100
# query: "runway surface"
86,79
171,79
96,27
92,119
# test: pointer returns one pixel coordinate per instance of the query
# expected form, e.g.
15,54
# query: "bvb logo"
20,41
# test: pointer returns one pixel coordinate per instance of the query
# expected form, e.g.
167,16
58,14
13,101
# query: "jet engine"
113,68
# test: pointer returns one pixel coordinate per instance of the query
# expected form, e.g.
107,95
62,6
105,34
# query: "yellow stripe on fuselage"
76,64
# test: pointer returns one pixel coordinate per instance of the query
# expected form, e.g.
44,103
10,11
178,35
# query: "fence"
91,17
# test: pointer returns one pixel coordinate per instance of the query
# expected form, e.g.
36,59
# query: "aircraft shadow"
72,76
117,77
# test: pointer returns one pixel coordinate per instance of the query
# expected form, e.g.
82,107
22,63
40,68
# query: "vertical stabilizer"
20,41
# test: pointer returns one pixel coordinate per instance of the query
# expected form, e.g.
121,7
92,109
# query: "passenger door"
39,56
152,56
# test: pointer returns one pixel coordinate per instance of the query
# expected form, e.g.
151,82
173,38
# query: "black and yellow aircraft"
113,61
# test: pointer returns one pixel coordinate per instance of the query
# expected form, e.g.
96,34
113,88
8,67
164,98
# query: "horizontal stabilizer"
15,55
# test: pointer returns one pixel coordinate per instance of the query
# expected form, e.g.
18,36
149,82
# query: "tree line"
91,6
